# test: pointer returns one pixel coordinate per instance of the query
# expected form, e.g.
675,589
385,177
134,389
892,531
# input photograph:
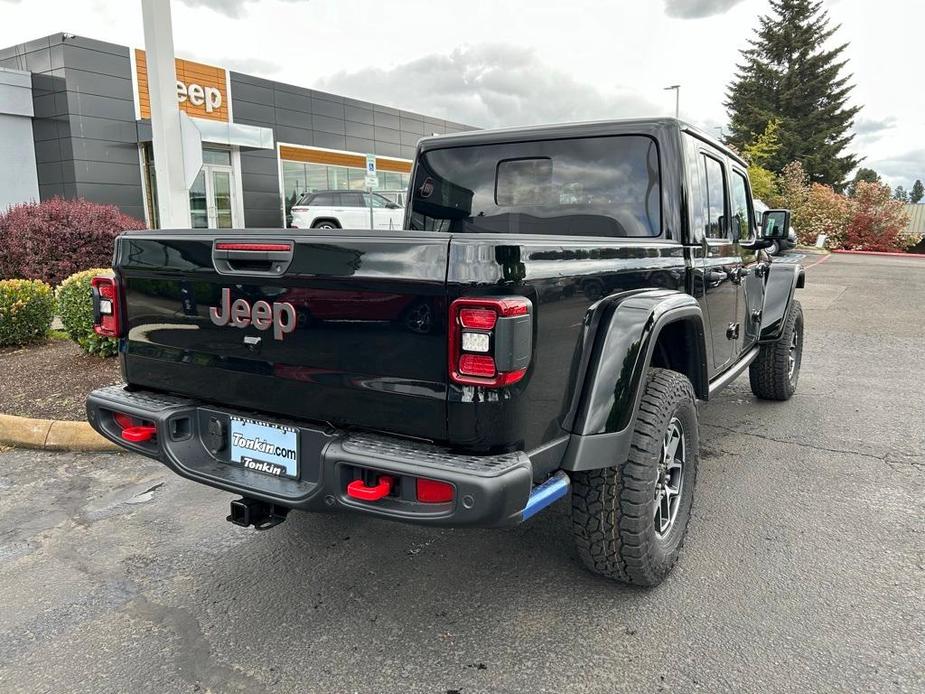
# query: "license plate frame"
263,447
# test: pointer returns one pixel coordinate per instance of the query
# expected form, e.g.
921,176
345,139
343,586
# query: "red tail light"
255,247
106,308
491,341
478,318
476,365
434,491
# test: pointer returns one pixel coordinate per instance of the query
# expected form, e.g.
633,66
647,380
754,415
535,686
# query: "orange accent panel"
320,156
392,165
208,77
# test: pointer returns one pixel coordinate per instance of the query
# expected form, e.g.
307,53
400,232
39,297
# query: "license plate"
271,449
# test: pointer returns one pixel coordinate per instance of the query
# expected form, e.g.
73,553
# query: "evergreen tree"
900,194
789,74
917,192
863,174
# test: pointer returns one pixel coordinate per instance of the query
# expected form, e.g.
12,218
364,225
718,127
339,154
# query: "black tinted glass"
601,186
741,209
322,200
715,177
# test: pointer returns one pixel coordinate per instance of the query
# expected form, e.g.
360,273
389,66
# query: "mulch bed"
51,380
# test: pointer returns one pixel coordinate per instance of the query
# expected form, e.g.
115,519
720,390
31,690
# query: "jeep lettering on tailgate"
281,316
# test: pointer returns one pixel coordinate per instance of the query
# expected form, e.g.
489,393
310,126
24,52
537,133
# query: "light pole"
677,98
167,139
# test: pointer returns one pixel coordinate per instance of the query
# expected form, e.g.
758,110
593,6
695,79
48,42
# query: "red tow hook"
358,489
138,434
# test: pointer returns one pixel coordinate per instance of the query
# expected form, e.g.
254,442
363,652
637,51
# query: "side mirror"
775,224
393,206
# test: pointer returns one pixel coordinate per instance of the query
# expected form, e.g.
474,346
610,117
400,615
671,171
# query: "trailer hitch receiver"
261,514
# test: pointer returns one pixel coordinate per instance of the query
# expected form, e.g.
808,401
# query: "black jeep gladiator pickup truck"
557,301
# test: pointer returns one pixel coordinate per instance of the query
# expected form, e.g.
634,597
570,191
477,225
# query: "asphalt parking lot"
803,569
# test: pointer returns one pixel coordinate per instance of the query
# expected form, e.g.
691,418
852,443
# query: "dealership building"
75,122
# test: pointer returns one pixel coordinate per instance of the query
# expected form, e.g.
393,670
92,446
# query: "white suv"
345,209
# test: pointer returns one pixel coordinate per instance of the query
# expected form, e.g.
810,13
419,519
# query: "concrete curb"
920,256
51,435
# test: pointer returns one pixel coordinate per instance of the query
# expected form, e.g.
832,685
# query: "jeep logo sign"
281,316
210,97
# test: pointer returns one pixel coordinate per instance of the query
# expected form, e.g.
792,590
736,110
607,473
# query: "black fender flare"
783,280
614,379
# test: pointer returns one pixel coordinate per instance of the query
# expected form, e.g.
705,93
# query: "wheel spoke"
671,447
674,488
669,478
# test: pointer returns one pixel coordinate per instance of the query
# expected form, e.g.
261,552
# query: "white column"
172,193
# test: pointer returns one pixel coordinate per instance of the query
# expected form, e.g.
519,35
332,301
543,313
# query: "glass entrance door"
222,210
211,197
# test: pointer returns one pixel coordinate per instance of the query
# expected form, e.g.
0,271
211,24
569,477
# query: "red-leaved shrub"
878,221
53,239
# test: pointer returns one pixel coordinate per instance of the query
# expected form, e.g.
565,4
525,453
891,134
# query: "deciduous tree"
878,222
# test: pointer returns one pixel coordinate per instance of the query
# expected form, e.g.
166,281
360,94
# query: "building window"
216,156
300,178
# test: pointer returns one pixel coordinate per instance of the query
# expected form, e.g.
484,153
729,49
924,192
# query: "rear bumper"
490,491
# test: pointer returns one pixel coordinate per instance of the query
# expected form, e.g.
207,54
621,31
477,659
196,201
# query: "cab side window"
715,182
743,217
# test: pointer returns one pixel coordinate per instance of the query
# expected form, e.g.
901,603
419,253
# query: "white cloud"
869,130
259,67
230,8
900,169
488,85
696,9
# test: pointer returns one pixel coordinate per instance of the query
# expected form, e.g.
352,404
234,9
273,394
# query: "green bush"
26,310
75,307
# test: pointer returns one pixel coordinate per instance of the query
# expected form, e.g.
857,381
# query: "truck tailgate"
350,329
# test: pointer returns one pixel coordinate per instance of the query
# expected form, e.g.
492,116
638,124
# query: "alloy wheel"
670,478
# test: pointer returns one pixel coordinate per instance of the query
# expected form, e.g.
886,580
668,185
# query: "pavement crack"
888,458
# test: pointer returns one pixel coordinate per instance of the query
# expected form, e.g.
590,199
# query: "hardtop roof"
579,129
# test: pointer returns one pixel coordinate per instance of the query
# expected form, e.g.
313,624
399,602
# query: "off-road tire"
770,374
326,224
613,508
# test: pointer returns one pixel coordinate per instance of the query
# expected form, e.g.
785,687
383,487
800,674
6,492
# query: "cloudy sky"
513,62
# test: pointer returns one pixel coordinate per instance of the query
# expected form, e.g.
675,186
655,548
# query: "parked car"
560,299
783,244
346,209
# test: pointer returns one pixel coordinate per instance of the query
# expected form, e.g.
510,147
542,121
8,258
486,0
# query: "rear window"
598,186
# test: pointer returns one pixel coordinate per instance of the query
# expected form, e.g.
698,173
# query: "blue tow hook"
545,494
